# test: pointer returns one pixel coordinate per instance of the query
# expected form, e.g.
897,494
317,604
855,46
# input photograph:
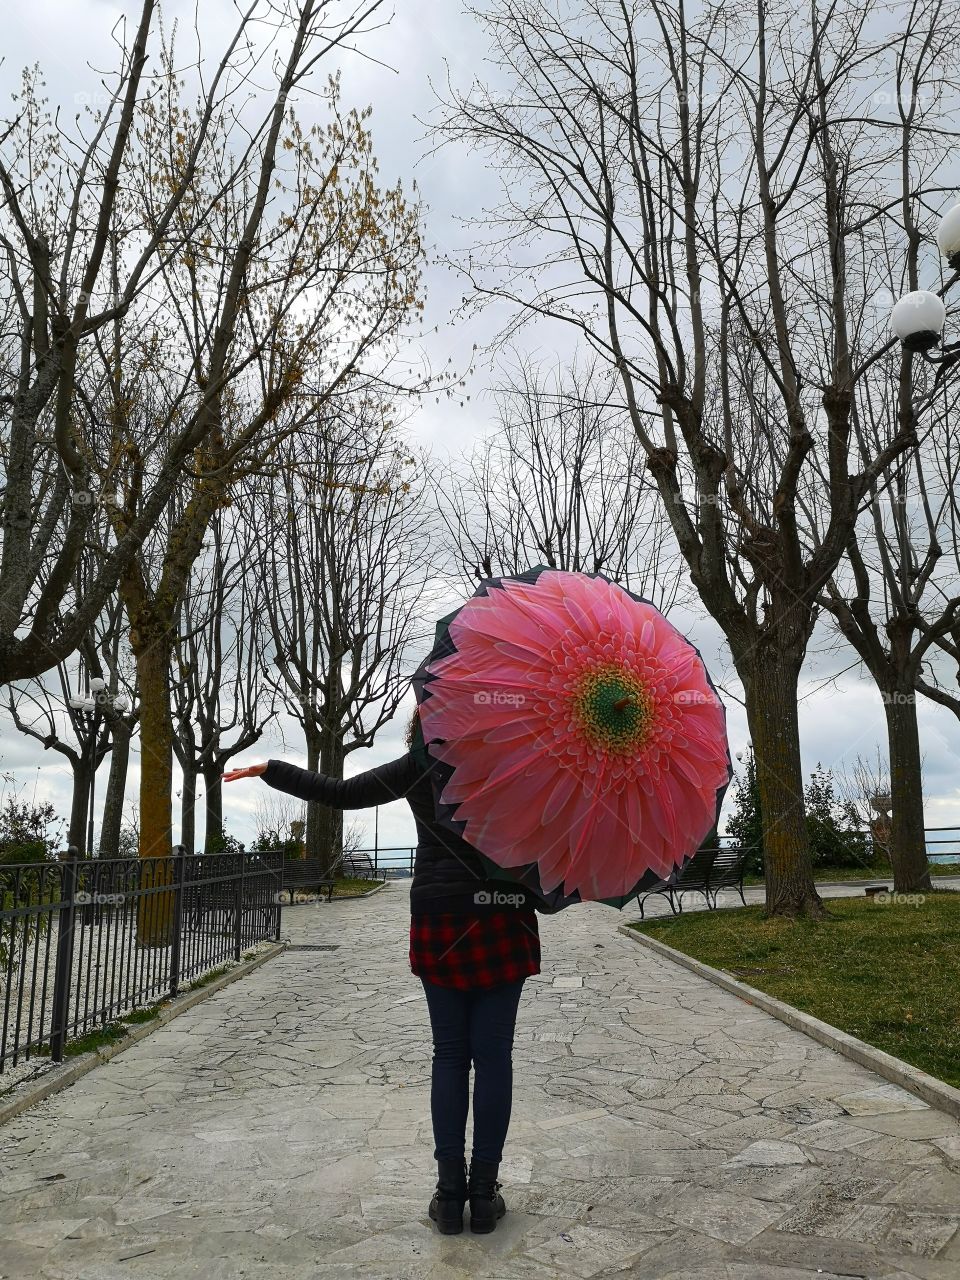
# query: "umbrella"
578,742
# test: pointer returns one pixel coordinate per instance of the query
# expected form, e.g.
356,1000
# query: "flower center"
614,708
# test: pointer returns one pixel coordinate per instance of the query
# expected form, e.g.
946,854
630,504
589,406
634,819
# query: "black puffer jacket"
448,875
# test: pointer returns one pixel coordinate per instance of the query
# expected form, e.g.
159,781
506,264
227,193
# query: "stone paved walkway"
662,1130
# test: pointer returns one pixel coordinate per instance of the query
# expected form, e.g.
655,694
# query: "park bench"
359,866
707,872
306,874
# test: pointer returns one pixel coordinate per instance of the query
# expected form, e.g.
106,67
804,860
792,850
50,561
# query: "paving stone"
851,1258
587,1251
732,1218
769,1154
918,1232
908,1124
661,1128
752,1271
881,1099
950,1147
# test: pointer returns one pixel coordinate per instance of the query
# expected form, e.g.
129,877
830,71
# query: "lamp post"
91,707
88,748
918,317
918,320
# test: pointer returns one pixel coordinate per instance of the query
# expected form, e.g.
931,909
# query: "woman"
473,942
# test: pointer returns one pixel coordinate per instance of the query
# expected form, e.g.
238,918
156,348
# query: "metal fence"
943,848
940,848
375,863
379,863
83,942
398,861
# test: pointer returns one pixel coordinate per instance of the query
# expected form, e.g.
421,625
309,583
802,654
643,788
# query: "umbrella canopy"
580,745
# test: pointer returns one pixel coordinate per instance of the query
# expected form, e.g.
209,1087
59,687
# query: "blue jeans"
473,1025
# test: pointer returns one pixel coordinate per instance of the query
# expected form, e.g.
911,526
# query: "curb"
857,884
933,1091
66,1074
349,897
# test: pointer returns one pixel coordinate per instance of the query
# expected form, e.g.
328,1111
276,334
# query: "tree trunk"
77,833
152,647
213,798
324,835
188,810
331,820
907,850
311,838
116,786
771,698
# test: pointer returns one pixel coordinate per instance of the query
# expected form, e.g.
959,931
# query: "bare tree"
559,482
895,597
701,198
346,558
283,302
109,659
79,249
84,756
100,721
934,683
865,795
218,690
278,816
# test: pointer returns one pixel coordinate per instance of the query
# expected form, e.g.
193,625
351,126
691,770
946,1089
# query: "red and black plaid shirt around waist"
469,951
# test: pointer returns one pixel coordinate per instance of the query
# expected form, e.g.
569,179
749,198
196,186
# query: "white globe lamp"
918,319
948,237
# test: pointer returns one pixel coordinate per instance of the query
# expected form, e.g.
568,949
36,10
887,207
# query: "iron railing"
939,854
935,851
378,862
85,941
398,860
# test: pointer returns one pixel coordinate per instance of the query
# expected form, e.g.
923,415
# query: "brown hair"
411,728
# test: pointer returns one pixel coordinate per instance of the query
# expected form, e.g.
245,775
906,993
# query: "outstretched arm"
386,782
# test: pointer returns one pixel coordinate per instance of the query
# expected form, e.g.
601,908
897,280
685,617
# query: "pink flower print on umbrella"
580,733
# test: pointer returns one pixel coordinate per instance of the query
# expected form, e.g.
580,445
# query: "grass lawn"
351,887
888,974
827,875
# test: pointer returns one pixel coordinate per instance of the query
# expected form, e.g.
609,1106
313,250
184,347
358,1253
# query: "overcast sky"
840,718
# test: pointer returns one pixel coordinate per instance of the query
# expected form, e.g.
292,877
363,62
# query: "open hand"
251,771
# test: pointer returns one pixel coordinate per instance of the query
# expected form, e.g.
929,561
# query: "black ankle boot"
446,1207
486,1202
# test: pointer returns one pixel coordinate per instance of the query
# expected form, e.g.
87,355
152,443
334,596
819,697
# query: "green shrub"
29,833
745,823
272,841
223,843
835,840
